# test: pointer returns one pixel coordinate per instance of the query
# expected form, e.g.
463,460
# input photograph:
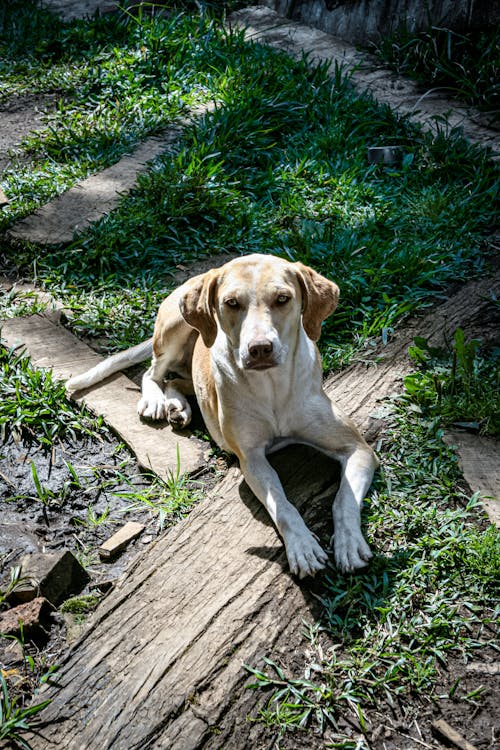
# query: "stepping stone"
88,201
156,446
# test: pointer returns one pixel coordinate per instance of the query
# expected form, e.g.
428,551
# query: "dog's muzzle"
260,355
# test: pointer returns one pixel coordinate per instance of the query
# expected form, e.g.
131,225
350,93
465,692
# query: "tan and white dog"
242,337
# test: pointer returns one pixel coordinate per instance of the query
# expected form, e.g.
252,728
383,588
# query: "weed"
18,713
16,719
34,407
457,387
16,580
466,63
171,498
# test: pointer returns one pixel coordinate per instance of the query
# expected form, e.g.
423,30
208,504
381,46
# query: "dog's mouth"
262,365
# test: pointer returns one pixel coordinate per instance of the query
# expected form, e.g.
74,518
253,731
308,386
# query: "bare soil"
20,115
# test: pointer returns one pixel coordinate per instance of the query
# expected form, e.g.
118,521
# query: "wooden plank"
51,346
120,539
165,658
92,198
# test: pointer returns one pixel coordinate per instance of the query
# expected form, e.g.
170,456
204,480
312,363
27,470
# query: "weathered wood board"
479,460
164,659
52,346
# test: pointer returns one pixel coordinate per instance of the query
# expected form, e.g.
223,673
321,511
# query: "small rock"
118,541
35,617
54,575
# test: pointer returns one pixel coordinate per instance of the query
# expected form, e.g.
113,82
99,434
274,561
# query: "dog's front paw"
153,408
351,550
305,555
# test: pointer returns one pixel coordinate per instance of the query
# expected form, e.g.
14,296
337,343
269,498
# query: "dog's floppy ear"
320,298
197,306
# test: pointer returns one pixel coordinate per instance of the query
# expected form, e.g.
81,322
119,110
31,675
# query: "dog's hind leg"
168,380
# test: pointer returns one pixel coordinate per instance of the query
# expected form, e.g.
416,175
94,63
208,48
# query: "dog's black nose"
260,348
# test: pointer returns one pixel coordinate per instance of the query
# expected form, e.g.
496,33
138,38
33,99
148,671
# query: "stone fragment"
118,541
33,618
54,575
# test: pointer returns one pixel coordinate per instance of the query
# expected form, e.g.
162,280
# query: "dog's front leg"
304,553
351,549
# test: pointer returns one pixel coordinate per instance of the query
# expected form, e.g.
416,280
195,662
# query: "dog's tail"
119,361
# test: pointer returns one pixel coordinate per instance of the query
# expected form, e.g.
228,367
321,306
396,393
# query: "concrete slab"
155,445
89,200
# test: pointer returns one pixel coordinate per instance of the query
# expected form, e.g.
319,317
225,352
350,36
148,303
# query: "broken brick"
33,618
54,575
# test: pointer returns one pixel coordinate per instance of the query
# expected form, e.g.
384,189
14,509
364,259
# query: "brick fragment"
54,575
35,617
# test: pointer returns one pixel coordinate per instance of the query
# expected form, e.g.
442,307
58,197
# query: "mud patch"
20,115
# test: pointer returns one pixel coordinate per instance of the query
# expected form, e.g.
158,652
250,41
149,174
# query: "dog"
242,338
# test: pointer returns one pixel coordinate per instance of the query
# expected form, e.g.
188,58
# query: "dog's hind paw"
306,556
178,415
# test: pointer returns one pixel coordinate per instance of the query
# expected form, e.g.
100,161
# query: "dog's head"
258,301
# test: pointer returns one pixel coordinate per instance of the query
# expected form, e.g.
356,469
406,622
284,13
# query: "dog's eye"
232,302
282,299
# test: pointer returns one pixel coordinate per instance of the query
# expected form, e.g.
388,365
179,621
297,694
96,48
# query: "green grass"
34,407
468,64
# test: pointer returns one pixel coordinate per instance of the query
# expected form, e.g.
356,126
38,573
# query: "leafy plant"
34,407
17,711
16,580
171,498
15,718
458,386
